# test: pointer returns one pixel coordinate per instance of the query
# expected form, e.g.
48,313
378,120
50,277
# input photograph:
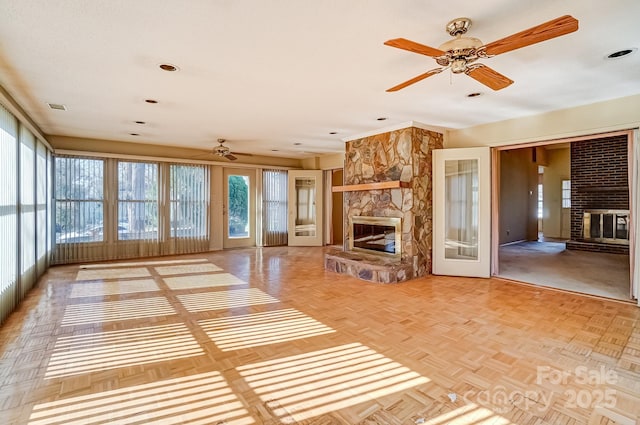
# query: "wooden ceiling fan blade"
231,157
554,28
416,79
487,76
412,46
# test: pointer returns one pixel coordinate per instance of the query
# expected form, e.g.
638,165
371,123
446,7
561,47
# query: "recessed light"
57,106
381,118
621,53
475,94
134,134
297,143
333,132
168,67
151,101
140,122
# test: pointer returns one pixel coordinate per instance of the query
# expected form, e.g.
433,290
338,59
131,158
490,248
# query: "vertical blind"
42,202
8,212
25,167
27,210
138,209
138,229
79,209
274,207
189,208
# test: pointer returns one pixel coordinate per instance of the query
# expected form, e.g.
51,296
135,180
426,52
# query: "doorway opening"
544,192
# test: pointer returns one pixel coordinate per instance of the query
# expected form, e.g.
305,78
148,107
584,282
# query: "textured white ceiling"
266,74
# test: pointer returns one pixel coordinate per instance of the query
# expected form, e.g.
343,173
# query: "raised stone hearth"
402,155
370,267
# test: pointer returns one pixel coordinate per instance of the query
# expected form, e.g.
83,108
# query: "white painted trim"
546,142
395,127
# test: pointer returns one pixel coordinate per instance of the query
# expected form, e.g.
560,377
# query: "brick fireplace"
599,188
400,156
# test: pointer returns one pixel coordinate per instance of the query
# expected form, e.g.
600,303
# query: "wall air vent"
57,106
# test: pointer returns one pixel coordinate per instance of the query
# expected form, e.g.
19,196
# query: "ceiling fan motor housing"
459,52
221,150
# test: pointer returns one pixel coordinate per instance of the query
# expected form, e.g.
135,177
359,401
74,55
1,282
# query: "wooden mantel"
394,184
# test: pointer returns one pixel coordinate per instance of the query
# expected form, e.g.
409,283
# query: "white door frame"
443,264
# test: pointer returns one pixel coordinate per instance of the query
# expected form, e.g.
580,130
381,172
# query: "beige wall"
518,196
611,115
150,150
324,162
558,169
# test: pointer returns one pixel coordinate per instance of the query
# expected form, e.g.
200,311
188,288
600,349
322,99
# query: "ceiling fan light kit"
224,151
459,54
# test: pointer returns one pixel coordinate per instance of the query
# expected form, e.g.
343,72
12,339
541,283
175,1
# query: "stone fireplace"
388,176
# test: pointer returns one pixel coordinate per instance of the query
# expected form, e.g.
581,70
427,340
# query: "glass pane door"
462,212
305,208
239,208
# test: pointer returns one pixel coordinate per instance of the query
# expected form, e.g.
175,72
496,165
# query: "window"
566,193
42,207
540,201
8,212
137,200
25,169
189,200
79,200
27,202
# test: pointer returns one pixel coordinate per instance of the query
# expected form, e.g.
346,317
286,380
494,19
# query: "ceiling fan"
460,53
224,151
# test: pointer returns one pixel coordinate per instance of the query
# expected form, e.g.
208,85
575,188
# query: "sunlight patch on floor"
109,350
203,281
198,399
219,300
304,386
112,273
97,289
271,327
110,311
189,268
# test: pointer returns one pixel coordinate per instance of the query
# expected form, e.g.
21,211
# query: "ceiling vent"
57,106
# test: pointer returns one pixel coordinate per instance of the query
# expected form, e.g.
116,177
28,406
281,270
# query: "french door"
462,212
305,208
239,209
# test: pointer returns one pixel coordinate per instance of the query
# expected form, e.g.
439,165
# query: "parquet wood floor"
266,336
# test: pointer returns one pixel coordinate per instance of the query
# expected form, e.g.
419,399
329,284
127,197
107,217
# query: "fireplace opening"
376,235
607,226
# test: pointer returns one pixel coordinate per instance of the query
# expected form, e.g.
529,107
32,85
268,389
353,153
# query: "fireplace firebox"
606,226
376,235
